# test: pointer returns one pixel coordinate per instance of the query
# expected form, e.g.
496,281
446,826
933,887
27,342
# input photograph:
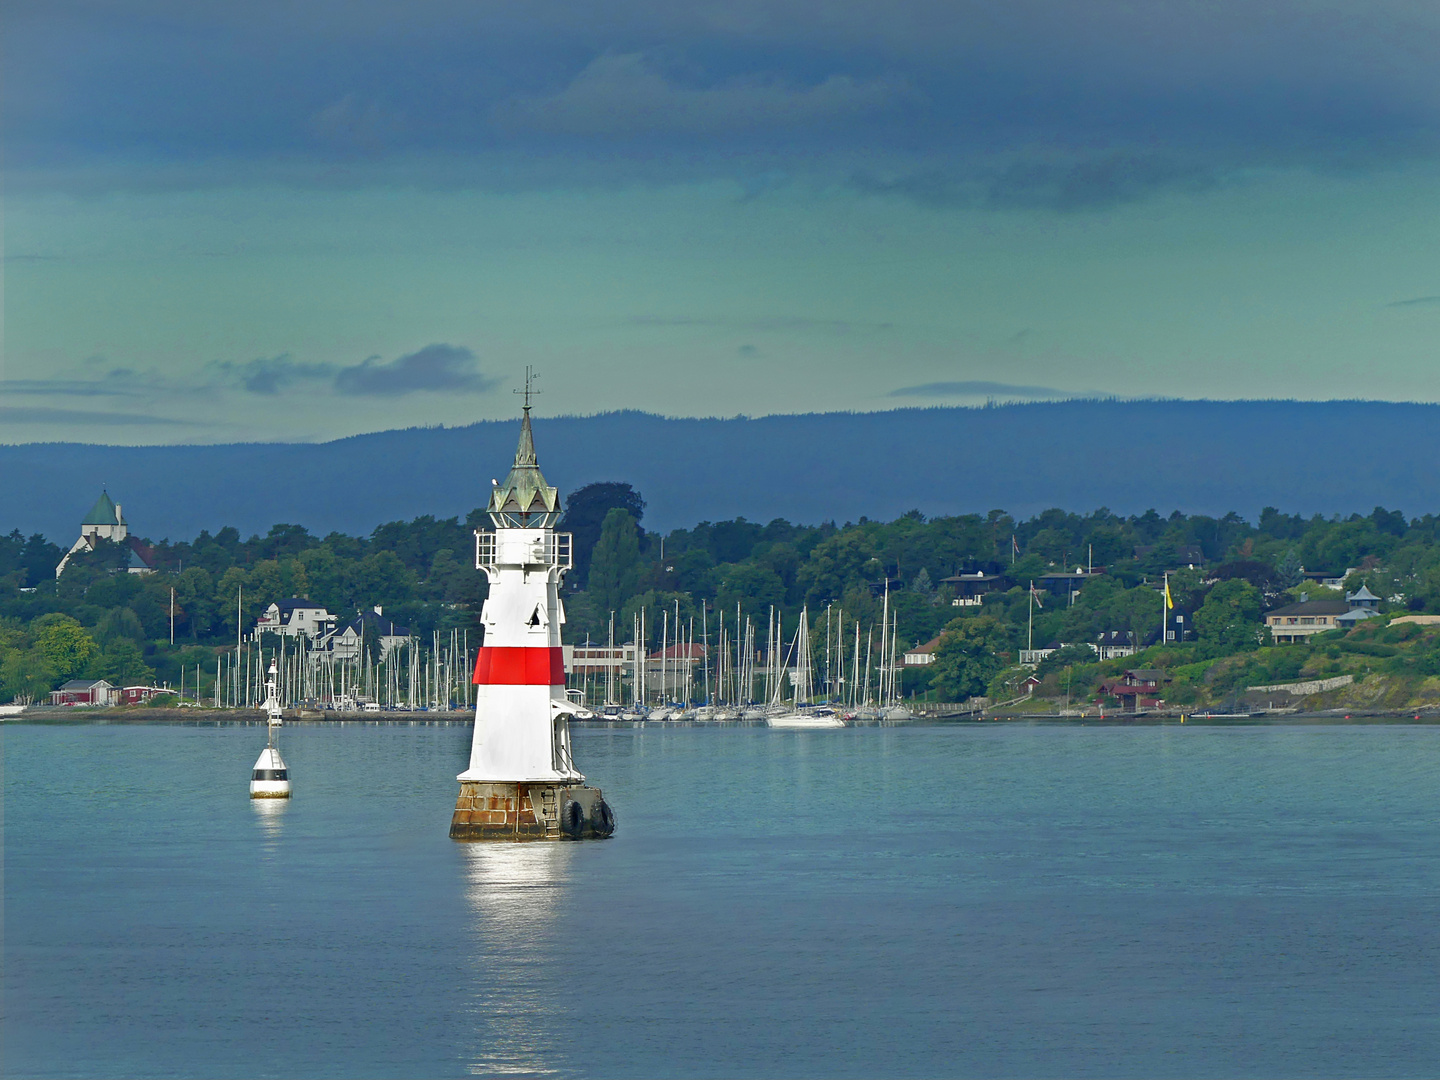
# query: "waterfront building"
674,670
1138,688
1300,622
345,642
583,660
140,695
921,655
1114,644
84,692
1363,603
296,617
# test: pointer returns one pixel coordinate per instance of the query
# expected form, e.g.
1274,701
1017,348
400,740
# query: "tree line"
98,621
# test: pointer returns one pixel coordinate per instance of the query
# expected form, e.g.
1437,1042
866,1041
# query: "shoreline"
59,714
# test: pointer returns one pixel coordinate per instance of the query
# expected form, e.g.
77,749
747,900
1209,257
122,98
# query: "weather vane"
530,377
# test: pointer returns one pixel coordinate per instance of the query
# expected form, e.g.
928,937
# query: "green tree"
123,664
615,565
195,602
1065,657
267,582
63,644
1290,573
755,588
971,652
659,607
323,570
227,590
118,623
381,578
1229,620
26,673
587,509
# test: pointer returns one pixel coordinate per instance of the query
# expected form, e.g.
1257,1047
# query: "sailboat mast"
884,631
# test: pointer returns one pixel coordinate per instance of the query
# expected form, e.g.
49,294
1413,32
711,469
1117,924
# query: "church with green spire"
106,521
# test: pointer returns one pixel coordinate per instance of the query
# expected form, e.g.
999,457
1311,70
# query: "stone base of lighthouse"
489,810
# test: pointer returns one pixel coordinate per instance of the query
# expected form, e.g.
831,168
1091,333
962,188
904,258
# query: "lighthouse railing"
549,549
484,549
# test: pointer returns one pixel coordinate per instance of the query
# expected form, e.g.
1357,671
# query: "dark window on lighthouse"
535,617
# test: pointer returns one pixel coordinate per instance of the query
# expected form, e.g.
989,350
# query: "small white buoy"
270,779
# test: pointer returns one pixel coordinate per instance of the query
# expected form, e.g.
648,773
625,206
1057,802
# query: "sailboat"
801,713
894,711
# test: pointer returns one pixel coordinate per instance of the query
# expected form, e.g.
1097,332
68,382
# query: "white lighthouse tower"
522,782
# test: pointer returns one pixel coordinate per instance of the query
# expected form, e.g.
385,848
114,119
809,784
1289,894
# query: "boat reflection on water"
516,892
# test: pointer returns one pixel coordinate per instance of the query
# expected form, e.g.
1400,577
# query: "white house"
296,617
84,692
921,655
345,643
106,522
1114,644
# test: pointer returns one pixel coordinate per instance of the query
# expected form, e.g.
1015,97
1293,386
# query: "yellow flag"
1169,602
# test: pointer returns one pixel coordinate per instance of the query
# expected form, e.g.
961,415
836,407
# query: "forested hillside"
1206,457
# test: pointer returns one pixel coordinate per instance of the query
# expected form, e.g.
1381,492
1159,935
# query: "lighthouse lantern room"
522,782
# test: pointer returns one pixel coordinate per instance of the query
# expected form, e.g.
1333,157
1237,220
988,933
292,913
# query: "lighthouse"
522,783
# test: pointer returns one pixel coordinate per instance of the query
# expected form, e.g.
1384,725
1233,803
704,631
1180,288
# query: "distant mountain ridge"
1197,456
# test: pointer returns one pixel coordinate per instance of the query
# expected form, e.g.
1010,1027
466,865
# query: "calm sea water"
972,900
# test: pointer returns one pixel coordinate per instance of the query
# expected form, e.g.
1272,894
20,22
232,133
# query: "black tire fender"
572,819
604,819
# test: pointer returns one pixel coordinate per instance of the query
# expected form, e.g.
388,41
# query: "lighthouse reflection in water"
516,893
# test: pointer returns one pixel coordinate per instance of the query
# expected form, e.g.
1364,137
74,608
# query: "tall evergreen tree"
585,512
615,567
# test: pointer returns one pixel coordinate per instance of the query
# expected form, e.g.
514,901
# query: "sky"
267,221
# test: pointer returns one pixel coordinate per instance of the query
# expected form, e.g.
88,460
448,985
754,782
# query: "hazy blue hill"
1197,456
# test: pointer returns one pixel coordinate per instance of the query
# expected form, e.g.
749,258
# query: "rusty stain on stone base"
501,811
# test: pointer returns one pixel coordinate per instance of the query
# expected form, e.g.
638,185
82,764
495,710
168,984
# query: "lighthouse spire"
525,500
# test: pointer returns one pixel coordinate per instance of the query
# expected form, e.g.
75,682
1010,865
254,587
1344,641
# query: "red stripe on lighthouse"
510,665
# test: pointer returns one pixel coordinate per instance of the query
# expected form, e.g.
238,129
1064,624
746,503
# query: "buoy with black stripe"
522,782
270,779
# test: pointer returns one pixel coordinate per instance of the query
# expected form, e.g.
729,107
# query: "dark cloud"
117,382
979,389
20,414
1417,301
270,375
441,82
435,367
